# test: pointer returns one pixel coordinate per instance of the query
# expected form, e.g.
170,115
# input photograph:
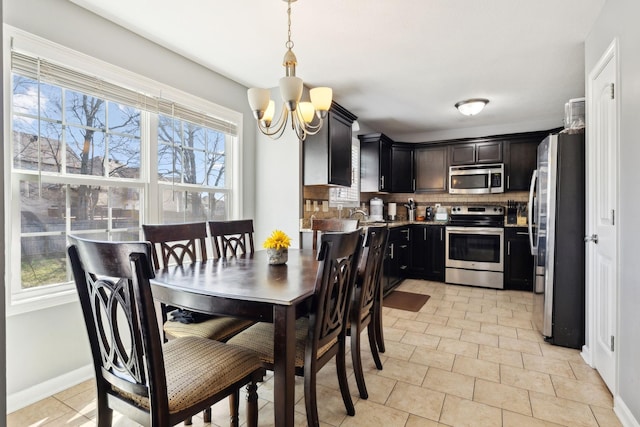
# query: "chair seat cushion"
197,368
259,338
217,328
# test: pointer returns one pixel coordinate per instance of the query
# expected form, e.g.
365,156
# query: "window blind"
44,70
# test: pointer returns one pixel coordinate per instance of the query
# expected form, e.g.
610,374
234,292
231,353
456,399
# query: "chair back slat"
339,254
331,225
112,279
370,270
177,243
232,238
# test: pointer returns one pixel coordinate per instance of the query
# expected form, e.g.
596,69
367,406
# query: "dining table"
247,286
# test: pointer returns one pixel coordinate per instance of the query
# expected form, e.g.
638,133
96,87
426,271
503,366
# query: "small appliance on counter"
441,213
428,214
375,208
391,211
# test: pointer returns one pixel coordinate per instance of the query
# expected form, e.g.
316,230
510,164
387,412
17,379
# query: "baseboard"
48,388
624,414
586,355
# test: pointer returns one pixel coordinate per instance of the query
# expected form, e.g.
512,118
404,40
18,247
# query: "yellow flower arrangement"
277,240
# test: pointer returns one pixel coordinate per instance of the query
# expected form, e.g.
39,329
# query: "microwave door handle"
534,177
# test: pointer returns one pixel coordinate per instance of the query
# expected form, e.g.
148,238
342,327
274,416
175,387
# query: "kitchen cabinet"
475,153
327,154
520,158
402,177
427,252
396,262
518,268
375,162
431,166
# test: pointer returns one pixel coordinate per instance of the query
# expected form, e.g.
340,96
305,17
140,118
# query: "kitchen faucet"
354,212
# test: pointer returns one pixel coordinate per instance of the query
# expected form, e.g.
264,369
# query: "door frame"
611,53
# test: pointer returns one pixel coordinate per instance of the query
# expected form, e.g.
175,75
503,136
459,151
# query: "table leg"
284,355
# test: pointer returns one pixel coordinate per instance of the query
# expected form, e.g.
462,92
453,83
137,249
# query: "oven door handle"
475,230
534,178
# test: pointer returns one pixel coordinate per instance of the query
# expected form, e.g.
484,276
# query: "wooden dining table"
247,286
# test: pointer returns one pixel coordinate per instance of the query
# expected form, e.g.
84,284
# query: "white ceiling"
399,65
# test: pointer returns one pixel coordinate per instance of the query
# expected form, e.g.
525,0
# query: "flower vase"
278,256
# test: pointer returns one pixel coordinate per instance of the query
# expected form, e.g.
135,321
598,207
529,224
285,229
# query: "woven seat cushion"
217,328
259,338
197,368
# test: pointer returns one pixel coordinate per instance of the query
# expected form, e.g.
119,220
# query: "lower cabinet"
427,252
518,267
396,262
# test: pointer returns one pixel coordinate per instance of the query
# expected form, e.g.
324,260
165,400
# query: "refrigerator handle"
534,177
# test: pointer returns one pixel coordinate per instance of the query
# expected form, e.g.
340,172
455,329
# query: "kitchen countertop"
390,224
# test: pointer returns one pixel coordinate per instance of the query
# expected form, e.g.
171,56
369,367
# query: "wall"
48,349
619,18
3,337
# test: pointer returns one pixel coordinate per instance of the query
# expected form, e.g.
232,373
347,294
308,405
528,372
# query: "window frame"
20,300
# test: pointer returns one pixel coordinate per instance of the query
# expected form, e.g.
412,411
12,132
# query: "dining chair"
332,225
179,243
320,336
232,238
366,308
152,383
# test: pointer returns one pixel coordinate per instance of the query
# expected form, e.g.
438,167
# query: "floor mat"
405,300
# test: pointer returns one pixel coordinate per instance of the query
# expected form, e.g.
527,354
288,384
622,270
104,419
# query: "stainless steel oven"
475,246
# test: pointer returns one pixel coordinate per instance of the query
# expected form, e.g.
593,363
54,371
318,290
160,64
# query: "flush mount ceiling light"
302,113
471,107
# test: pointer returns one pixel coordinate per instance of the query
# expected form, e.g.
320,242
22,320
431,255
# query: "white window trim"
36,299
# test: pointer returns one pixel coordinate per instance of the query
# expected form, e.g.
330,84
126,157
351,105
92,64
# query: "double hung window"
95,159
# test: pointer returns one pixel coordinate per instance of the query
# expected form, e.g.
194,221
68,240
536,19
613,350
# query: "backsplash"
321,193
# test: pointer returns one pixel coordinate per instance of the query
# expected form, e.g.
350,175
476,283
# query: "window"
94,159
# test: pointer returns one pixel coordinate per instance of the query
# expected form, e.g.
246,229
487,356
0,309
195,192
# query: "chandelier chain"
289,43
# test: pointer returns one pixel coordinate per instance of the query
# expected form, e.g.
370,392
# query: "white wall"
46,345
619,18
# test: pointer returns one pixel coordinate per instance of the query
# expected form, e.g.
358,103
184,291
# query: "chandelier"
303,114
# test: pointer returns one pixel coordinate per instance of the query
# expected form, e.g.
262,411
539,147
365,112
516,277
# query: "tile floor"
469,358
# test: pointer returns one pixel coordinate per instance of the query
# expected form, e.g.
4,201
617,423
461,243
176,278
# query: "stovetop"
477,216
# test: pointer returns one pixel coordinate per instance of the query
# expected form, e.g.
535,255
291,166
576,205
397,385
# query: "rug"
405,300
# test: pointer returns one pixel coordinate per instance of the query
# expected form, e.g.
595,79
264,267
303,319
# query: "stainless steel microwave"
476,179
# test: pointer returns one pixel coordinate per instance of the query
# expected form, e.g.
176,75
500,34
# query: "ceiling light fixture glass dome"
471,107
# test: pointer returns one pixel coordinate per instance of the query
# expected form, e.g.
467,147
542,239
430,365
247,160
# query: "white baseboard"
586,355
624,414
48,388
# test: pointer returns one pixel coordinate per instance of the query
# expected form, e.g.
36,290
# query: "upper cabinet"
375,163
431,169
327,154
402,176
476,152
520,157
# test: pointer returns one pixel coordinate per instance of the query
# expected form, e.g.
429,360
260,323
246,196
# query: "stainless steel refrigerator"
556,234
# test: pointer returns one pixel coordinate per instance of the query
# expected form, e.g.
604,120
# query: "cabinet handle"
391,250
425,233
441,237
414,184
522,233
382,181
509,248
508,181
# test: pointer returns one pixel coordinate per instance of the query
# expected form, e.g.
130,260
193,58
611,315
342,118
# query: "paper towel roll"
391,209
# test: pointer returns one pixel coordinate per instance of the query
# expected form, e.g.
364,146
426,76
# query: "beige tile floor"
470,357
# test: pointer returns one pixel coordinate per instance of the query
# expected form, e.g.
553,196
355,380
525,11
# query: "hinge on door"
613,93
612,342
613,217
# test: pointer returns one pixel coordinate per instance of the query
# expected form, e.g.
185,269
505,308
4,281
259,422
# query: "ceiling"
400,65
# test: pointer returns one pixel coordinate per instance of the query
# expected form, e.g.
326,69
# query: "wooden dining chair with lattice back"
331,225
152,383
232,238
367,301
321,336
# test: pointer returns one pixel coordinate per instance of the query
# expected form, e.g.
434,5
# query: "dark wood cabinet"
327,154
427,252
396,263
375,162
431,166
520,158
518,269
402,176
476,152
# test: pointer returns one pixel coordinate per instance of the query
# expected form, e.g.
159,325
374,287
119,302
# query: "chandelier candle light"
291,87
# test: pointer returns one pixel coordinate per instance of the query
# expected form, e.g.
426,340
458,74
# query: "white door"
601,226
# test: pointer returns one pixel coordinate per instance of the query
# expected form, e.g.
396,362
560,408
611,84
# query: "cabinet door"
518,260
462,154
520,160
489,152
402,179
431,170
435,253
385,167
339,151
418,251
